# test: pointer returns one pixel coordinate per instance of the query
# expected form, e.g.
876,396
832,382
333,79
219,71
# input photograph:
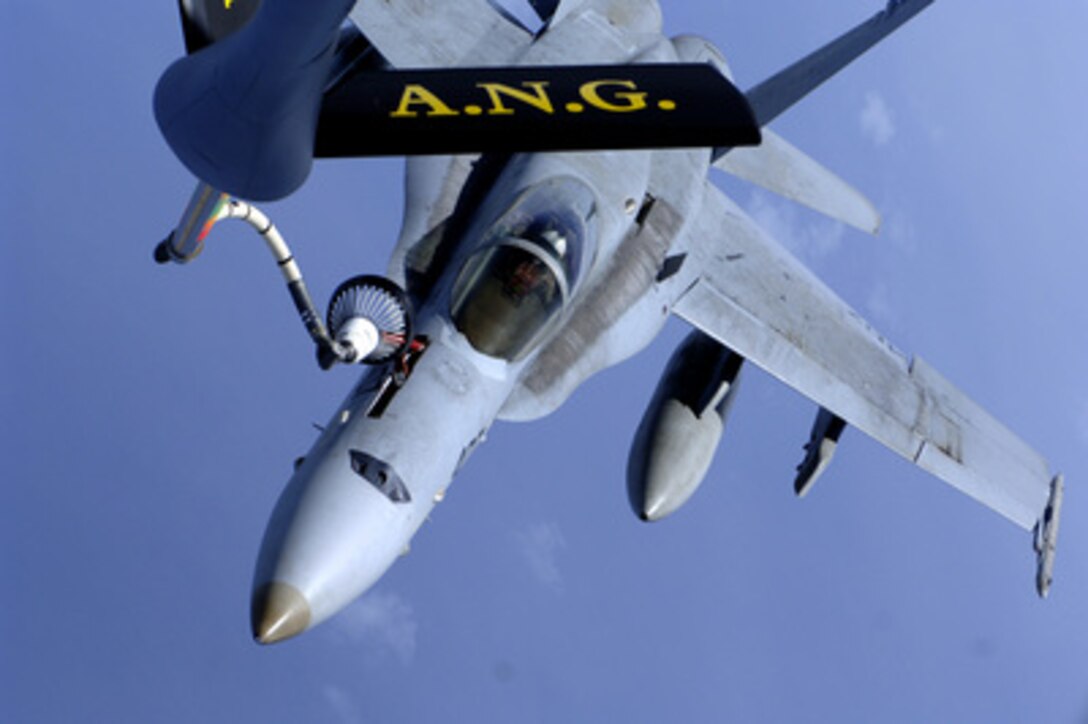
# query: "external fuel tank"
682,426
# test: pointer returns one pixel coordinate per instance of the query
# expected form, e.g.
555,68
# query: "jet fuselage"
392,448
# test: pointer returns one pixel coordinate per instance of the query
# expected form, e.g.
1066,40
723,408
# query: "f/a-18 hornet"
558,211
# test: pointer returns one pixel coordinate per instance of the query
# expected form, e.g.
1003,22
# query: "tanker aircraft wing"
756,299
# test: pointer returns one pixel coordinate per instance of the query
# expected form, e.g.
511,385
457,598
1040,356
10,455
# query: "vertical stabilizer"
775,95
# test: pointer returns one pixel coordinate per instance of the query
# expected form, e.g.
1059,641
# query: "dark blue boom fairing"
241,114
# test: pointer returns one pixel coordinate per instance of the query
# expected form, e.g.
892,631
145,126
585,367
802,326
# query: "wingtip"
1046,536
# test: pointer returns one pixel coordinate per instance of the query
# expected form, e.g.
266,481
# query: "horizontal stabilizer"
778,166
533,108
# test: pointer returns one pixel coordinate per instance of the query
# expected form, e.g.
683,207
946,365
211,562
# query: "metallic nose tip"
652,510
279,612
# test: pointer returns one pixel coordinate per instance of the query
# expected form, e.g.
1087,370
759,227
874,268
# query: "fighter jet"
559,210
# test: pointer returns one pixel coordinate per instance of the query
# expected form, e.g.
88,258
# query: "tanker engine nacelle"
682,427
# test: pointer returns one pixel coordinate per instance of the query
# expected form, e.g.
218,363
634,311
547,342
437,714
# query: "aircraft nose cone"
653,509
279,612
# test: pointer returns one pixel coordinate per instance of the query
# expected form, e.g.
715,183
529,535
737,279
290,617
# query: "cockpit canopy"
525,269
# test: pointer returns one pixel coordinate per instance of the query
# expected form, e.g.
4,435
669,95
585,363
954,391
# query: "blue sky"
149,417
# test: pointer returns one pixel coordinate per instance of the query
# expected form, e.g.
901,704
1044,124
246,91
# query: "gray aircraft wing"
440,33
755,298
